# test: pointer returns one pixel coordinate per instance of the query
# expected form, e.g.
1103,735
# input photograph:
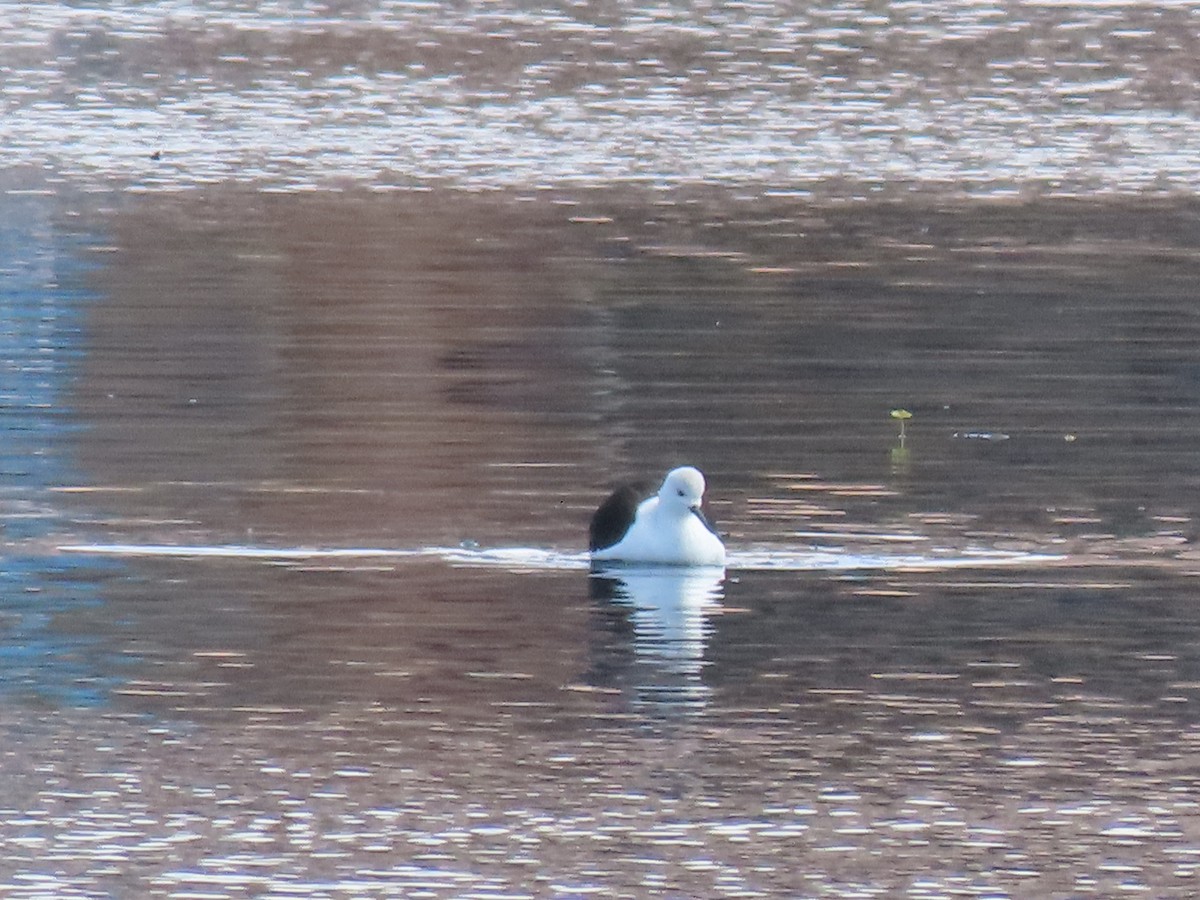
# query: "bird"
667,527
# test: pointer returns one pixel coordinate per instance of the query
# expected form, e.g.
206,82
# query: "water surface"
303,420
297,606
839,97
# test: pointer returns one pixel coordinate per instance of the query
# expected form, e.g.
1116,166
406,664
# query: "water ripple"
521,558
993,98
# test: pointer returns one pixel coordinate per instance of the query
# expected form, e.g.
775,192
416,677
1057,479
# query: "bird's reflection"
652,630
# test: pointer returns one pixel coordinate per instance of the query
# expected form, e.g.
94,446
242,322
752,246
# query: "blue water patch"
44,656
43,299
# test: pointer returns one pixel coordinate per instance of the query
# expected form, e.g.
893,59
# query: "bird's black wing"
614,516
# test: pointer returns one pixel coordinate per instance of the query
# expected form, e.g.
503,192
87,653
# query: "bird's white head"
683,488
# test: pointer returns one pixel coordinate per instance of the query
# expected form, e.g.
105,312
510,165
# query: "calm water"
296,471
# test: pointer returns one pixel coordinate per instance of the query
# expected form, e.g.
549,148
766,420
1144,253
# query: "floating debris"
980,436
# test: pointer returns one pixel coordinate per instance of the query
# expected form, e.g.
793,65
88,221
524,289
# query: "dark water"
295,471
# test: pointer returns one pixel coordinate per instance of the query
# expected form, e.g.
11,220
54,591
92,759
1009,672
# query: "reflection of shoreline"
455,367
653,631
270,381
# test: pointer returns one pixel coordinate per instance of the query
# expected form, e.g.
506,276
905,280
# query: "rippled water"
296,472
984,97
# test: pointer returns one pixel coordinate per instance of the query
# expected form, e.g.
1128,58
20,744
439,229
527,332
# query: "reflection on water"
460,369
333,458
44,304
666,613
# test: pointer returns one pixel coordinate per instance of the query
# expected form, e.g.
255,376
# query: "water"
985,97
296,496
303,421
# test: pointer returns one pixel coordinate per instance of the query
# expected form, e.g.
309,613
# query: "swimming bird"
636,525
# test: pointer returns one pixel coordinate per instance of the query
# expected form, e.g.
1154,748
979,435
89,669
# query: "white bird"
635,525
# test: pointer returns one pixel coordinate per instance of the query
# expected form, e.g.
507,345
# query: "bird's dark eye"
680,492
